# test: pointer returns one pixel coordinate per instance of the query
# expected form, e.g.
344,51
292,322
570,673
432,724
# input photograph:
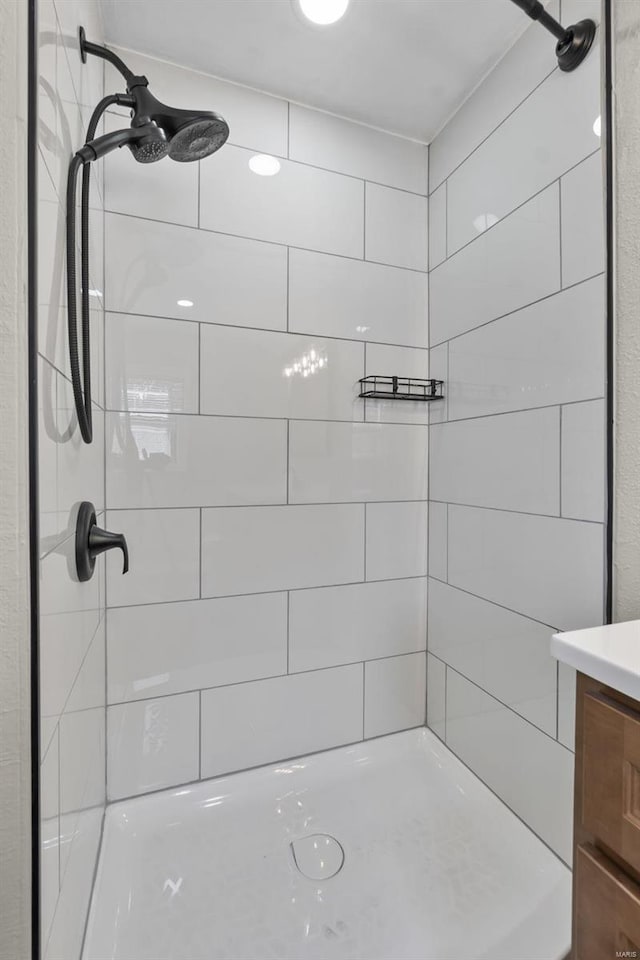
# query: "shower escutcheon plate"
318,856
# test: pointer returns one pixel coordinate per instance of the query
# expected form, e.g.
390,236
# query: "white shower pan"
435,867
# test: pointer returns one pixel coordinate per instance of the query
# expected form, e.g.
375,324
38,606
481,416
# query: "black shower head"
147,143
191,134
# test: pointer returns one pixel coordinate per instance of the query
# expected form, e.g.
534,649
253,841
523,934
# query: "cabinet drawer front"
611,776
607,908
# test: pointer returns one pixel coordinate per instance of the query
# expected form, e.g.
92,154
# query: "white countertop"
610,654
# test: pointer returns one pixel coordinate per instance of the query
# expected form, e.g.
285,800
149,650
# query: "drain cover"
318,856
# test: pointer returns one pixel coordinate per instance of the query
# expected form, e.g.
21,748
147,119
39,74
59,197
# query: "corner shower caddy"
378,387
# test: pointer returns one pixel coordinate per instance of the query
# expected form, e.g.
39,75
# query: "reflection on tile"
259,373
254,549
231,716
539,788
337,297
394,694
150,364
159,460
505,654
495,274
550,132
152,266
338,462
362,621
522,68
396,228
174,647
152,744
302,206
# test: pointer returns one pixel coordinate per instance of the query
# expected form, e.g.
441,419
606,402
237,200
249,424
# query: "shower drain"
318,856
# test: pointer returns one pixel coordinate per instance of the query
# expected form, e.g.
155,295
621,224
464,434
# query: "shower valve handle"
92,540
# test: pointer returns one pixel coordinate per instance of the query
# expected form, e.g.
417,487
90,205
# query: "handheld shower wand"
156,131
573,43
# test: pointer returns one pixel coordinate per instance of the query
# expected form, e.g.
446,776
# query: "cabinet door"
607,908
610,785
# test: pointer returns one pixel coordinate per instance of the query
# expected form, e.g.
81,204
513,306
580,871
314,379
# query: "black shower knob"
92,540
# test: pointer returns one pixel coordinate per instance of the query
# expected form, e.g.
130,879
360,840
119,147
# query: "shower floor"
435,867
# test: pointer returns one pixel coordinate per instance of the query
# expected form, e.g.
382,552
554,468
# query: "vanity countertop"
610,654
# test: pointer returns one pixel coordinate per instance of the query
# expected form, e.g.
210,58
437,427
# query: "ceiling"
402,65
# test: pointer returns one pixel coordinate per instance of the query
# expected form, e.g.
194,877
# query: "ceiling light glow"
323,12
185,303
597,126
264,165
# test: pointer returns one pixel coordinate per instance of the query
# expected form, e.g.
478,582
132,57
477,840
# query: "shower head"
191,134
147,143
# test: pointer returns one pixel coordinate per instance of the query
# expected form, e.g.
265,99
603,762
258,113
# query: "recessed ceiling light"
323,12
185,303
597,126
264,165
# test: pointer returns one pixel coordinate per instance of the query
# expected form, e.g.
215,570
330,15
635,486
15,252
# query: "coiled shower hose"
81,382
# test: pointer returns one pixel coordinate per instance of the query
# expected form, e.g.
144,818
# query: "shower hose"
81,382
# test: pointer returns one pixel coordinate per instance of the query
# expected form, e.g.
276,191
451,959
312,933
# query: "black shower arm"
99,51
535,10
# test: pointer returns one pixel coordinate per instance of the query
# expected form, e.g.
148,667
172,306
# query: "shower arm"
574,42
99,51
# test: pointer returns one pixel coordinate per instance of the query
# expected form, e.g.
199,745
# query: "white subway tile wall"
517,452
72,614
276,602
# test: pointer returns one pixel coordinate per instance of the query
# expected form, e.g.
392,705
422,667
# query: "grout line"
288,628
557,700
446,223
446,692
520,309
199,370
199,734
273,243
301,503
364,223
494,603
364,688
200,559
198,197
288,130
288,459
364,530
560,231
260,679
288,285
560,462
510,213
164,415
491,132
519,513
297,333
549,736
446,546
262,593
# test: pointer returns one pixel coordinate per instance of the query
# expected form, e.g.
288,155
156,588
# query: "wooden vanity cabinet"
606,867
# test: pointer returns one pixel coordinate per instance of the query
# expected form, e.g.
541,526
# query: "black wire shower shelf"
401,388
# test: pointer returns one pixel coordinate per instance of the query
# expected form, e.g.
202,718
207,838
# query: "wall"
626,552
15,749
517,481
72,622
277,525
